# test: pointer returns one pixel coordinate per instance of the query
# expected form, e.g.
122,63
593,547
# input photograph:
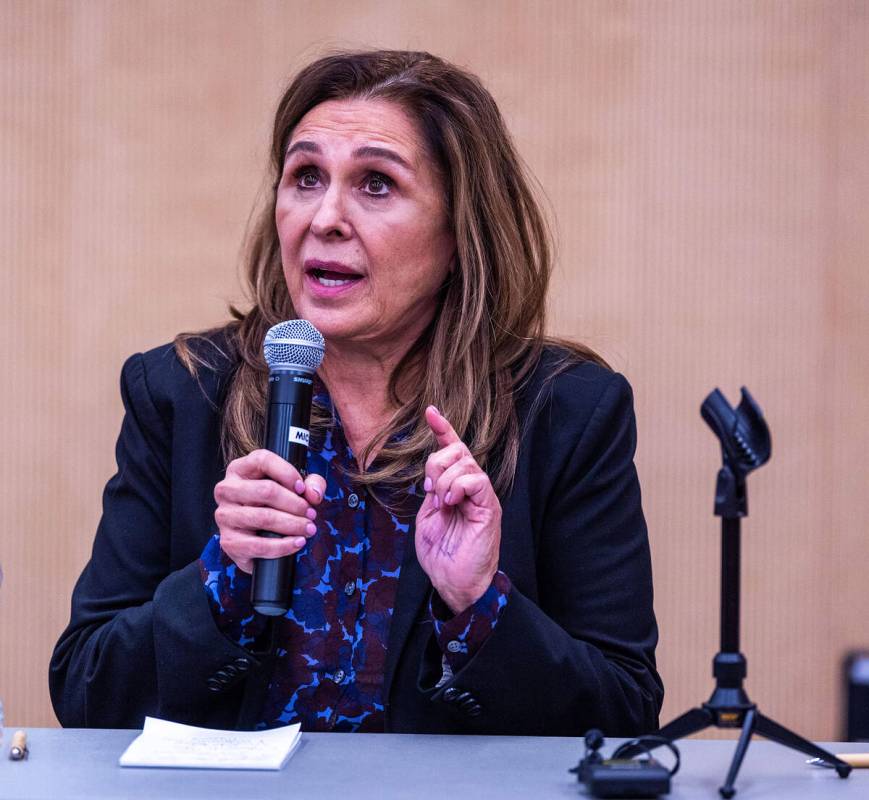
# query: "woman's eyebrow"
306,146
371,151
368,151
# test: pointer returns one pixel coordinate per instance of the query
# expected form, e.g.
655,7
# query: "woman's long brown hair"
489,331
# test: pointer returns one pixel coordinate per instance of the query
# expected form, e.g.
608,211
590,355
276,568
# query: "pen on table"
18,749
857,760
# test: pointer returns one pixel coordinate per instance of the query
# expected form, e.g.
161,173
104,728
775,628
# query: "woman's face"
361,218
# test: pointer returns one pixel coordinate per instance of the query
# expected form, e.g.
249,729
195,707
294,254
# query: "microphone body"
288,417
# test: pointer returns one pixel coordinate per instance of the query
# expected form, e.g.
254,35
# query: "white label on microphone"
299,436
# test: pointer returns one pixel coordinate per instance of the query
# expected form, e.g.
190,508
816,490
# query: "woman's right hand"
263,492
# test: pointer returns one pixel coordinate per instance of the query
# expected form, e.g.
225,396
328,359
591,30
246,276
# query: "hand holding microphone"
261,491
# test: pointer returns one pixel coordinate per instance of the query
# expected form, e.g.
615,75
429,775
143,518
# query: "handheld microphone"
293,350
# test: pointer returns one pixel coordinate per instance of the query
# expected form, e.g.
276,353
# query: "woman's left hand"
458,527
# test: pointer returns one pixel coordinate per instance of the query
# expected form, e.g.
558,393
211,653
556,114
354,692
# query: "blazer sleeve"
141,638
581,653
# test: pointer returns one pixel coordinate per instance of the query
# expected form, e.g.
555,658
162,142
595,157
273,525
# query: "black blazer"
573,649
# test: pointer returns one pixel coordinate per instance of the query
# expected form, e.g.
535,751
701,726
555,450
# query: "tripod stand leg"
778,733
748,725
693,720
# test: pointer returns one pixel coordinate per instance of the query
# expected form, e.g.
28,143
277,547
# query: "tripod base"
742,714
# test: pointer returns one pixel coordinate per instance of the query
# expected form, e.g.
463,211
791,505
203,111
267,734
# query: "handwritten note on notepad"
170,744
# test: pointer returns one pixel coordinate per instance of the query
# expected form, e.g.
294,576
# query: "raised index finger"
440,427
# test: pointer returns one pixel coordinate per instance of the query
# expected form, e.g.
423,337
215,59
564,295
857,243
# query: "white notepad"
170,744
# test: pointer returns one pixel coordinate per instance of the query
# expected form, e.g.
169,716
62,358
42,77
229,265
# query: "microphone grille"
294,344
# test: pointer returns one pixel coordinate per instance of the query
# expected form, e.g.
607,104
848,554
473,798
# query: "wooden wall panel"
706,164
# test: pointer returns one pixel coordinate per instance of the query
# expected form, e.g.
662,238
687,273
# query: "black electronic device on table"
622,777
745,446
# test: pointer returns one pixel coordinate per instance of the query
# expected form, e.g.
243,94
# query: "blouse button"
349,588
338,676
353,500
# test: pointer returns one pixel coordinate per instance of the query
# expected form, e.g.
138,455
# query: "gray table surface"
84,764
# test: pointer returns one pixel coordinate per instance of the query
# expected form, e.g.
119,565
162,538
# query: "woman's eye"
377,185
307,179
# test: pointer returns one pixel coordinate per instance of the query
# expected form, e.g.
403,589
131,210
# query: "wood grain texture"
707,167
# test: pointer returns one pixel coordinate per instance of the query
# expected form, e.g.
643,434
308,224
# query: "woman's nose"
329,218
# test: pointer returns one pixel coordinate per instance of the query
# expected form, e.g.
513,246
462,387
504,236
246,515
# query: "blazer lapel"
413,589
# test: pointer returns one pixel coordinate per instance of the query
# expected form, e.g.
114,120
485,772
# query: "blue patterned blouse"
331,644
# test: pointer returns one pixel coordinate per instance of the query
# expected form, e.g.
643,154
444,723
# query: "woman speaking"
471,554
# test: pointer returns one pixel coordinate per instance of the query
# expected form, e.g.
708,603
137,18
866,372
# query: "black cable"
644,742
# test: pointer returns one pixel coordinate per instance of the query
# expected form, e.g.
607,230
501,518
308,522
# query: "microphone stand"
745,445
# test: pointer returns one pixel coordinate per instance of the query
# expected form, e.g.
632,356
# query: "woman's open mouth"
327,277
